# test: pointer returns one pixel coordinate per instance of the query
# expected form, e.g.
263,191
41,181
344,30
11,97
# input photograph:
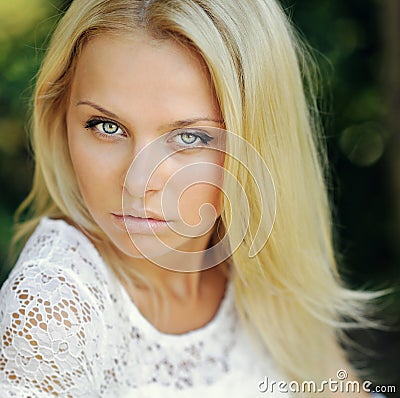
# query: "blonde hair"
289,294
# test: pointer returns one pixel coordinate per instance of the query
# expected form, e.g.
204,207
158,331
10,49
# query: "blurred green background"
357,47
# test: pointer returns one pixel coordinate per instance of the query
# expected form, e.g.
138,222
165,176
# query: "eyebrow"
98,107
171,126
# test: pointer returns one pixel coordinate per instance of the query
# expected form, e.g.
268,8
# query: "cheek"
96,173
200,201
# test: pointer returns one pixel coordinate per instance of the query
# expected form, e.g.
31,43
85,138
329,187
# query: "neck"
179,273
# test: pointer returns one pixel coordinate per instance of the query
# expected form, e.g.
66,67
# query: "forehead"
138,72
139,46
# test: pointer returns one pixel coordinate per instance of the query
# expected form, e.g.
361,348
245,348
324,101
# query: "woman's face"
148,174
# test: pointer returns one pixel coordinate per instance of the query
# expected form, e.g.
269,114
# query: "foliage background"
357,49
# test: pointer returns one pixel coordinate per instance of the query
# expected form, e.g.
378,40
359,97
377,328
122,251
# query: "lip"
145,214
138,225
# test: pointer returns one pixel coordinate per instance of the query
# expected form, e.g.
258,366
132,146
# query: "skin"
128,91
146,87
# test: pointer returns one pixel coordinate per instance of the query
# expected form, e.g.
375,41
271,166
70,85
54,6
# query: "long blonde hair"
289,294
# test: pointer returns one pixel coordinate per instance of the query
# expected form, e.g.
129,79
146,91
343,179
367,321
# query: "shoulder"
59,261
58,267
51,312
57,242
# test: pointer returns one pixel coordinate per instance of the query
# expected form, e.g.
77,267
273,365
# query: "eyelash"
92,123
198,134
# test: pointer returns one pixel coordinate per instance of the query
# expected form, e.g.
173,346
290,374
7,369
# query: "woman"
146,273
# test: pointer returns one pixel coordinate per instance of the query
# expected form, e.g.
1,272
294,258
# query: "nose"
146,172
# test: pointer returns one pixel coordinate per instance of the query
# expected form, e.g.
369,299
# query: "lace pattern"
69,329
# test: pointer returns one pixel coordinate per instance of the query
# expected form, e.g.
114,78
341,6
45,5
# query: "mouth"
143,215
139,224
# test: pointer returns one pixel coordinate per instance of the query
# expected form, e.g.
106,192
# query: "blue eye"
188,138
104,128
191,138
109,128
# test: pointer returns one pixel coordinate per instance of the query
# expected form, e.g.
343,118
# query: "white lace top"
69,329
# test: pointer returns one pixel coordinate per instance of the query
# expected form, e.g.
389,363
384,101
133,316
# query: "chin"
142,247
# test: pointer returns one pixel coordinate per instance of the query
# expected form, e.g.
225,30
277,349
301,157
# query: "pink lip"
146,214
138,225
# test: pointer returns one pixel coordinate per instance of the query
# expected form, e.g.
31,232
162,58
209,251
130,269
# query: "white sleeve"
49,331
